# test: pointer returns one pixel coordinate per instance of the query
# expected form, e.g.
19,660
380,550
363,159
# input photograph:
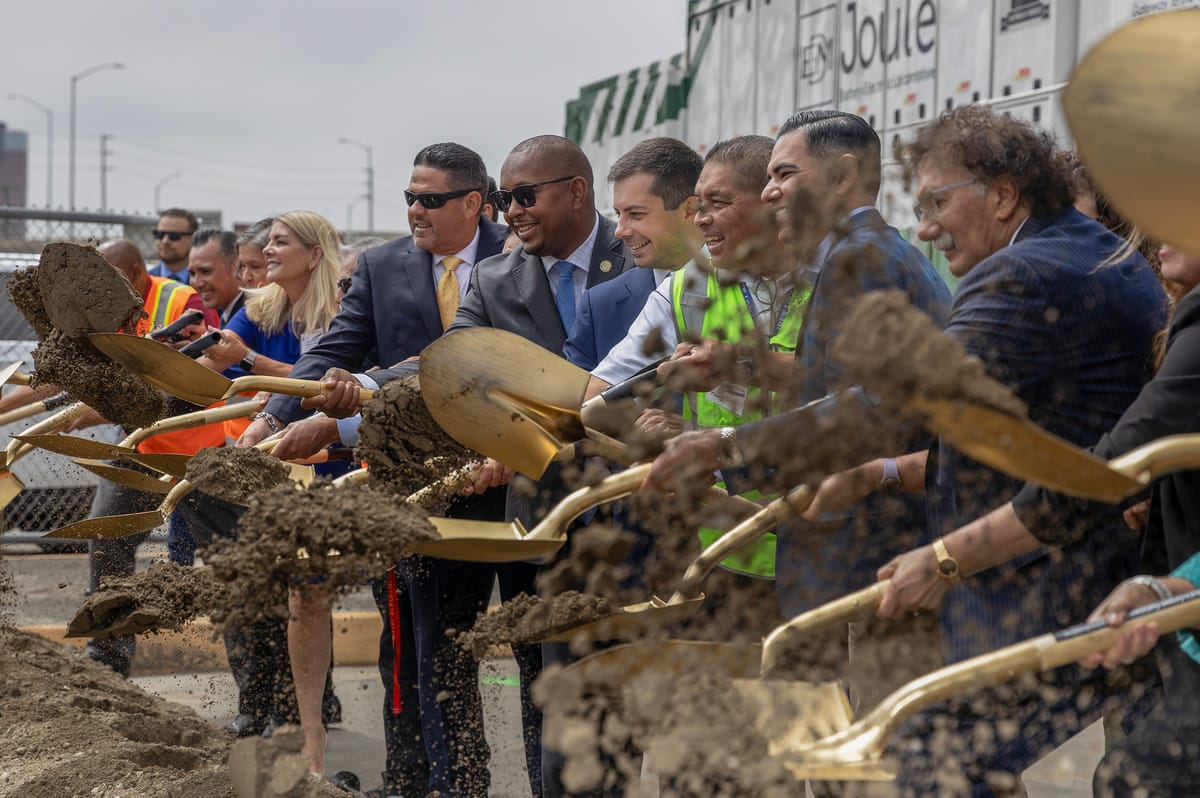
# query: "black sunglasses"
169,234
525,195
431,201
343,284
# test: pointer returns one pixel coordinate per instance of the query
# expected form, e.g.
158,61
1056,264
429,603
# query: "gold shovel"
10,484
168,463
634,620
10,375
116,526
179,375
856,753
1134,127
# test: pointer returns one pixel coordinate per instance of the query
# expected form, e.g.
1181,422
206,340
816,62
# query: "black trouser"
1161,756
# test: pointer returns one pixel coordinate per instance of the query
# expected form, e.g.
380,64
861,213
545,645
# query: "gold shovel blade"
9,371
74,446
634,620
1024,450
163,367
486,541
110,526
10,487
1133,127
503,396
126,477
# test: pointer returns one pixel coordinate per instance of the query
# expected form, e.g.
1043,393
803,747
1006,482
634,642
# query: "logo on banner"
816,57
1024,11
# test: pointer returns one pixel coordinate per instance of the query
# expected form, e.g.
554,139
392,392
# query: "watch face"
890,485
948,567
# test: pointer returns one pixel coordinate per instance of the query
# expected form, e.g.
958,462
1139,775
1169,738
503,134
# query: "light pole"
370,180
104,169
158,189
74,81
49,142
350,212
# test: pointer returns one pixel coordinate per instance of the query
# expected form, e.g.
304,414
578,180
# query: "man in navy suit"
654,195
546,194
392,308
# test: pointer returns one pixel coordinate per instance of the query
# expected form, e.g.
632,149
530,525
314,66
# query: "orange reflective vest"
164,303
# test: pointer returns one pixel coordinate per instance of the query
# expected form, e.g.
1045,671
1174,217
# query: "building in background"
14,177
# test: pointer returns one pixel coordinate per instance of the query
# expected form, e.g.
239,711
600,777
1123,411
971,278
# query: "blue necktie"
565,297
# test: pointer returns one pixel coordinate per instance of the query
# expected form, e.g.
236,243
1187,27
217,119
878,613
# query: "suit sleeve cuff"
365,381
348,429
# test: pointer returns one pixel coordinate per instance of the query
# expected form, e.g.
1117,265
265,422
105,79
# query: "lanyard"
783,311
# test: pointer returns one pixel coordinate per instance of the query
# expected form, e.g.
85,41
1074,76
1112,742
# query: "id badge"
729,396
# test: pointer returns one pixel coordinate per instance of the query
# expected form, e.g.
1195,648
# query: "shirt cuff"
348,429
1190,570
365,381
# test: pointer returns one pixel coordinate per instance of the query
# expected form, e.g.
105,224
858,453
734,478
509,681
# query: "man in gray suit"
546,194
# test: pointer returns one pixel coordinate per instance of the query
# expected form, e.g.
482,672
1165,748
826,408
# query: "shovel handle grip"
16,449
197,347
169,332
289,387
197,418
841,610
1148,462
576,504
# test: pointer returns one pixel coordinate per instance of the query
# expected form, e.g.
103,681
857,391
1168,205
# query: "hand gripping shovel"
637,619
10,485
116,526
856,752
1133,127
173,464
179,375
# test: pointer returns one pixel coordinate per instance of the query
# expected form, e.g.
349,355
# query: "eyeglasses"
431,201
170,234
525,195
343,284
923,209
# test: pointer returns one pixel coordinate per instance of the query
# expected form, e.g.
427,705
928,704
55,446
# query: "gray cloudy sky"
247,100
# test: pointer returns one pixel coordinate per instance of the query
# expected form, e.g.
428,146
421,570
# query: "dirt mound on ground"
235,475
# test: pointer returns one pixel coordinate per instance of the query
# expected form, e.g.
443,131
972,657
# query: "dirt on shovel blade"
164,596
83,293
526,617
235,475
897,352
402,444
332,538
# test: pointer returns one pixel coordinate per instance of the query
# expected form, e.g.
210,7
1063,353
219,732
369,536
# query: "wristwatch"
947,565
729,453
891,477
248,359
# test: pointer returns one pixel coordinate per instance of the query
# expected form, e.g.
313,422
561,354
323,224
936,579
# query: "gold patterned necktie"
447,290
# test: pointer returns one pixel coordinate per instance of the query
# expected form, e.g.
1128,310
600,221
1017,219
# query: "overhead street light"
158,189
370,180
74,81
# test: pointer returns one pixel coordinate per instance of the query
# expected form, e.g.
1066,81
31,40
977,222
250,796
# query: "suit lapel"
608,251
418,266
534,290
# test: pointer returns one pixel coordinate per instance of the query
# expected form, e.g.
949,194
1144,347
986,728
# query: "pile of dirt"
164,596
334,537
524,618
404,447
899,353
235,475
74,729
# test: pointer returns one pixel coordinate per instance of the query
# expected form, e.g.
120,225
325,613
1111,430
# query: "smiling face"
290,262
444,230
546,227
958,216
213,275
729,216
657,237
797,179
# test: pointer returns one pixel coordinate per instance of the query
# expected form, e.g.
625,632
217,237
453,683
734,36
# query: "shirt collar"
467,254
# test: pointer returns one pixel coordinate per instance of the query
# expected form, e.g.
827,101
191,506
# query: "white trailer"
898,63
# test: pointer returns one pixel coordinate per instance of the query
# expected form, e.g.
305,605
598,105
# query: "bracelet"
272,422
1160,589
730,455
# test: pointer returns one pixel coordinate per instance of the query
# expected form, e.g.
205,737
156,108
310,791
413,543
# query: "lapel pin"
606,266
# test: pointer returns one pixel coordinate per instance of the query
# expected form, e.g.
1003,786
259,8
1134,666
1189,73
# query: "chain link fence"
56,491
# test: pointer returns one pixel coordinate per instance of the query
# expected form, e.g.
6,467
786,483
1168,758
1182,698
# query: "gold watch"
947,565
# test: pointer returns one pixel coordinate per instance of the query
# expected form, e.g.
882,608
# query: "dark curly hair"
992,145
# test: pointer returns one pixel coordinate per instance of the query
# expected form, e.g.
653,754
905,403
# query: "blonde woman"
279,322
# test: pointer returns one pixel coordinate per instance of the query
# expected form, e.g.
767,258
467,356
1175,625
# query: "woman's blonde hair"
269,307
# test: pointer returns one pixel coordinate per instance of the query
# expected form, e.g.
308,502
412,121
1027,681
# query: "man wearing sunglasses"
547,197
400,298
173,242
